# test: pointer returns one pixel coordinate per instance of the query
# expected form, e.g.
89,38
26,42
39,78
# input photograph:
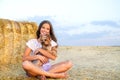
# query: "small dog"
46,45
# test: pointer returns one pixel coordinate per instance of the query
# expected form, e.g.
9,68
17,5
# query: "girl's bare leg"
37,71
60,67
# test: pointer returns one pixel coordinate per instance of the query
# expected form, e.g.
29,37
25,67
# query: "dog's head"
45,39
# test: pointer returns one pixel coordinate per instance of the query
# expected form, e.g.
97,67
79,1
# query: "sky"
75,22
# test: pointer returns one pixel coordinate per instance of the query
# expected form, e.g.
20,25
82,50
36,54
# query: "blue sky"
76,22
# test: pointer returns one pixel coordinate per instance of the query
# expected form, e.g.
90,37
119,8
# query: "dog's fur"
46,45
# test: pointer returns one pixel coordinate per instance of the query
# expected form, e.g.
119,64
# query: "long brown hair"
51,30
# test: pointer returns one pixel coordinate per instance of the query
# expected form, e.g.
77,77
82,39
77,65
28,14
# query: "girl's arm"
27,56
47,54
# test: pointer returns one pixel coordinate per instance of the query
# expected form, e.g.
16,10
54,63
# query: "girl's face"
45,29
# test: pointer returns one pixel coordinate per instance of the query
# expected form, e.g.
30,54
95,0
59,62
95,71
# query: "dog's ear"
49,36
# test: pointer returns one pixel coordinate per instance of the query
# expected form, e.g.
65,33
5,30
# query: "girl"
55,71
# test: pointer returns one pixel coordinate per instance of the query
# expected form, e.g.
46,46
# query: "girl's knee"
25,64
69,64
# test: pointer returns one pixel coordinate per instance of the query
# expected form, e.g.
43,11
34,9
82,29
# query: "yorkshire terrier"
45,41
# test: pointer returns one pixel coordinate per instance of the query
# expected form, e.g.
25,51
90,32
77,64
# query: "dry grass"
90,63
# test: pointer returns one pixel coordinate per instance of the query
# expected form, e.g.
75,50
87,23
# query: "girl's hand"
36,51
43,59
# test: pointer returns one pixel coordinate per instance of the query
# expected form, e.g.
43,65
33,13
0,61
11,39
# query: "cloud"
98,33
20,10
108,23
93,28
67,11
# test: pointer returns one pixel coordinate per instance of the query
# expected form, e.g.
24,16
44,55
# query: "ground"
89,63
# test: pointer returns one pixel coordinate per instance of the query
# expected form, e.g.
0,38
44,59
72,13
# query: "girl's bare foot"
60,75
41,77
